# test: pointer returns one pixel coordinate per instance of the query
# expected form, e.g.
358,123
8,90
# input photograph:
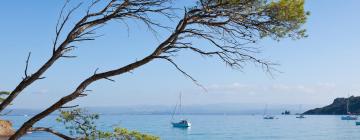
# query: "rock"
338,107
6,129
286,112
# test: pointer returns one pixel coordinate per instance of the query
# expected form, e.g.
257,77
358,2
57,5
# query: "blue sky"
314,70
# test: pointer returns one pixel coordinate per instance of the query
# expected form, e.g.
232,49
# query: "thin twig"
27,65
73,106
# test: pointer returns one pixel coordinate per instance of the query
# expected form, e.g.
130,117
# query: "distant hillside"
338,107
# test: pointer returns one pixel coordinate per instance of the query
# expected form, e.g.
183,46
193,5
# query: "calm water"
226,127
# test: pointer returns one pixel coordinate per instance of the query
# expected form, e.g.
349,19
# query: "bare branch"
27,65
62,24
82,95
68,56
109,79
96,70
69,106
183,72
41,78
49,130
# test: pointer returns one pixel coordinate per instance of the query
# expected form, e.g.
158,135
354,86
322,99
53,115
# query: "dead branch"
182,71
96,70
109,79
73,106
49,130
27,65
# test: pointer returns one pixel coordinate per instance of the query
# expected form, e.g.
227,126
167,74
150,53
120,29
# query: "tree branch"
183,72
26,66
73,106
49,130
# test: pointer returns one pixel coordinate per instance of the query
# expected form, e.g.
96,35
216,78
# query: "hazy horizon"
230,109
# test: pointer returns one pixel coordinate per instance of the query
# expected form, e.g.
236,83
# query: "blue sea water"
219,127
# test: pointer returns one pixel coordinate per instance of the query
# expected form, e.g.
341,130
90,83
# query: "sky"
314,70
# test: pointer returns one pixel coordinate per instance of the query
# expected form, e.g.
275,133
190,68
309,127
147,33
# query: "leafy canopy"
277,19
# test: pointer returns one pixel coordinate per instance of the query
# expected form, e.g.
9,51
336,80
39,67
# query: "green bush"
81,123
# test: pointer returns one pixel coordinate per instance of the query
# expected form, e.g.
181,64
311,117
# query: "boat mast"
178,105
265,110
173,114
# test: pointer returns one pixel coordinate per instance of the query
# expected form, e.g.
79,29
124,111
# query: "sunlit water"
219,127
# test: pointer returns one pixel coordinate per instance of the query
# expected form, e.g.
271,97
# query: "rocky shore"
6,129
338,107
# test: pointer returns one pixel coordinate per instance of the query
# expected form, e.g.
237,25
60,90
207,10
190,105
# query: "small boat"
357,123
183,123
349,116
268,117
300,116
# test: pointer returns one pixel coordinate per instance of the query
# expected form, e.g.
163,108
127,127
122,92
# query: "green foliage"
77,121
276,18
291,14
4,93
81,123
124,134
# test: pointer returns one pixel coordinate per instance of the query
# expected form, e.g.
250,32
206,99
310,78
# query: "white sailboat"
183,123
349,116
267,116
300,116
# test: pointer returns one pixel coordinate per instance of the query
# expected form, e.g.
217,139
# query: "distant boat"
301,116
267,116
357,123
183,123
349,116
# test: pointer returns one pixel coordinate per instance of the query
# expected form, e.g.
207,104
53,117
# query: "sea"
216,127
